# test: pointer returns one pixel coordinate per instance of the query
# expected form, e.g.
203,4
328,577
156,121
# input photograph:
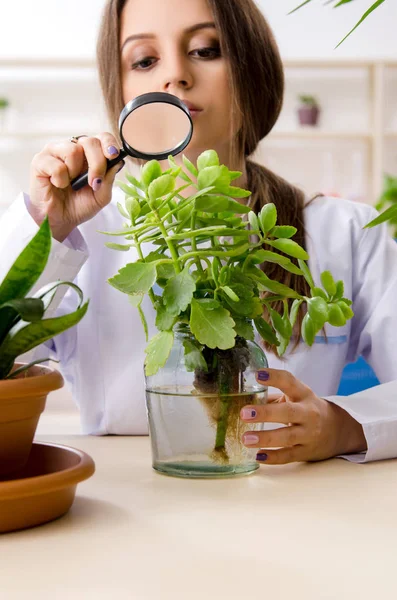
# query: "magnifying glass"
152,126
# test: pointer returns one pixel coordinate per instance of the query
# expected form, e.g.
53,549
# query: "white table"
301,532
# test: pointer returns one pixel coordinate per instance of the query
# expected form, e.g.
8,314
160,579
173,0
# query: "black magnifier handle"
82,180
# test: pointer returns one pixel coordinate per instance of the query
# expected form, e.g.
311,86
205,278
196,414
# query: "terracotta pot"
22,400
308,115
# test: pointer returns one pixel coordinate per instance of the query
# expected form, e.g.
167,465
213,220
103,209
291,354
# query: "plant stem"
224,385
140,254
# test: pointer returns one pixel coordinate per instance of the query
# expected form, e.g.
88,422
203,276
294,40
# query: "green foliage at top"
337,3
206,260
308,101
22,322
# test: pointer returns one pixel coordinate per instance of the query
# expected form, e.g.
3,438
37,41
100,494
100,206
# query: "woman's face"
172,46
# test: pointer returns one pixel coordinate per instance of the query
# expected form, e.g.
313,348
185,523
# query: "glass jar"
194,416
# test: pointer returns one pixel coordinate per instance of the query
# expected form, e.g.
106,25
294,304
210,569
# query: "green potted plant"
388,200
201,273
308,111
24,387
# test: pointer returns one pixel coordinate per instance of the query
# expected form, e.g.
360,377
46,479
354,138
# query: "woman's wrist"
350,433
59,233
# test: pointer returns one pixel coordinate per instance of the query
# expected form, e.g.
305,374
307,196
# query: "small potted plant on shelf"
24,387
199,264
308,111
4,104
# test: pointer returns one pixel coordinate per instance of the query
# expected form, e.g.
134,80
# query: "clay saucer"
45,488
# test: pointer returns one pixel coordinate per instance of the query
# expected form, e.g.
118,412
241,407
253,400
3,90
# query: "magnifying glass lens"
155,128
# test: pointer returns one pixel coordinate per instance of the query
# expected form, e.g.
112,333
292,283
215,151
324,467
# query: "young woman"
220,57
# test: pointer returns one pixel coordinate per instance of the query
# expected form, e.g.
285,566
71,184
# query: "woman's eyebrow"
144,36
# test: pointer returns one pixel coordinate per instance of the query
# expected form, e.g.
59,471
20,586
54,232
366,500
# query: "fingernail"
112,150
261,456
96,184
249,438
262,375
248,413
122,164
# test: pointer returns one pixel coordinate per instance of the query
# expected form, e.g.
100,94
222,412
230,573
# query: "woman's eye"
213,52
143,64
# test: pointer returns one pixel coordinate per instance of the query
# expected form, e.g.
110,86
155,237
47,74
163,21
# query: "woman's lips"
193,109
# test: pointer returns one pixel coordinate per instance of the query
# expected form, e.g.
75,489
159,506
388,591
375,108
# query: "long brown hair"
257,88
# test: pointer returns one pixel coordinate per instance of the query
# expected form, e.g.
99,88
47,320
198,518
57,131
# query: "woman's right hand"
56,166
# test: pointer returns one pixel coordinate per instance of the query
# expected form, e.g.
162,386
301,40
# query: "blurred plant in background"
337,3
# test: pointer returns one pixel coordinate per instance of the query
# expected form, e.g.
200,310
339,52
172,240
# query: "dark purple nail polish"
112,150
96,184
263,375
261,456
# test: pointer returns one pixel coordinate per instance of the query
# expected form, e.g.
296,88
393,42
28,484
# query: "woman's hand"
315,429
56,166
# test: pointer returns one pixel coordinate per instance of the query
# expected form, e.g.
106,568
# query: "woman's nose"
177,77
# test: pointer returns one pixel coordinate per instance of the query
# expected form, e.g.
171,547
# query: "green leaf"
120,247
29,309
23,336
133,207
340,290
211,204
212,328
389,214
134,278
347,311
336,316
289,247
282,326
150,172
28,267
178,292
261,256
300,6
122,211
164,320
253,221
214,176
161,186
190,166
236,207
194,358
209,158
157,352
294,311
244,329
283,231
137,301
318,310
268,217
236,192
165,271
229,292
135,182
365,15
266,331
272,286
235,175
308,330
127,189
316,291
328,283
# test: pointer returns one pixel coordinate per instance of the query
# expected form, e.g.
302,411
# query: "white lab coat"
102,358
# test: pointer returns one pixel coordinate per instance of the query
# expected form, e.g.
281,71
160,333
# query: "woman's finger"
285,412
284,381
282,456
96,160
48,167
110,146
275,438
72,155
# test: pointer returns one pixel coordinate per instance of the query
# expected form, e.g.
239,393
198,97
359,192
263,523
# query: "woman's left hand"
315,428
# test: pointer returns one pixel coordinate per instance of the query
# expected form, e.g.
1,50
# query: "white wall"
67,28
